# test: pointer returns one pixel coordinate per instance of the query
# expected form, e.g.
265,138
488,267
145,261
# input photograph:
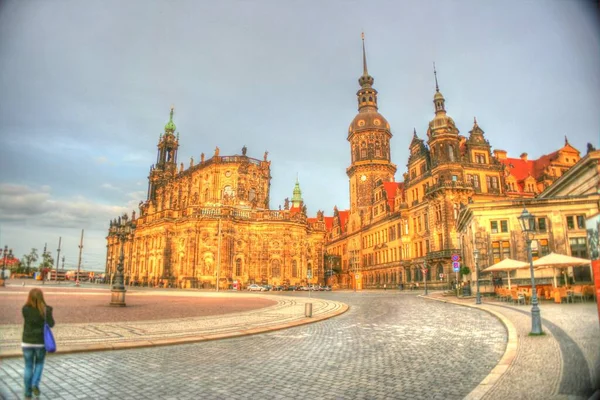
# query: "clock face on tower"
363,178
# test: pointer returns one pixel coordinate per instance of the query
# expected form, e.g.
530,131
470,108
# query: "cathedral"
210,224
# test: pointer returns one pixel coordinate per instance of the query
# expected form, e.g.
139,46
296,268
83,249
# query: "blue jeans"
34,364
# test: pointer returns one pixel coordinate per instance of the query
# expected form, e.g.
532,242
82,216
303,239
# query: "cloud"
39,207
101,160
109,186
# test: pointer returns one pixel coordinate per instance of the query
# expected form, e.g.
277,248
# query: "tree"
29,259
47,262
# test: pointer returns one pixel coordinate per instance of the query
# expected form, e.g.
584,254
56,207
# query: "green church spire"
170,126
297,197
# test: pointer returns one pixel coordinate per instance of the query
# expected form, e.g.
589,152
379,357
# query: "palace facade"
404,232
211,223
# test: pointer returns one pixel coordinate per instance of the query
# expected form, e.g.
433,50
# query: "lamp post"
6,255
425,277
122,230
527,221
476,257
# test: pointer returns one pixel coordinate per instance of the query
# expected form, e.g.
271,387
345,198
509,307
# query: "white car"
256,288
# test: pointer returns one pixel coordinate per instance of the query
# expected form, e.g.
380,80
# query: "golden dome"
367,121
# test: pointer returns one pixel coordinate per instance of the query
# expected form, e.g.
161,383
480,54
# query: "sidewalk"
93,336
562,364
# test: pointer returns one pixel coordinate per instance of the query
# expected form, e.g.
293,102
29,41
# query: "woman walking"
35,312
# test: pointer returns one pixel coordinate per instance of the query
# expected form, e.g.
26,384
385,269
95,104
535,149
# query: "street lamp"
6,254
122,230
527,221
476,257
425,277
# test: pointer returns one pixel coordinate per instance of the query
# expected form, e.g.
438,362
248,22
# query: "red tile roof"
343,215
390,189
328,223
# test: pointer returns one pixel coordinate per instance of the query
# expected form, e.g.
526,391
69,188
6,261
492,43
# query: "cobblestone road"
388,346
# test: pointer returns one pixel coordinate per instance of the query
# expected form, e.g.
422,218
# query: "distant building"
211,222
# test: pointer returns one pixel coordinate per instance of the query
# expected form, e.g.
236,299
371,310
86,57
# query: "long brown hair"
36,300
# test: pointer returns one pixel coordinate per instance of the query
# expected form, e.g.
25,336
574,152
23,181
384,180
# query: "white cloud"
109,186
38,207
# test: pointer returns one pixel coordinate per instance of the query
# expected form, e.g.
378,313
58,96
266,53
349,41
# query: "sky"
86,88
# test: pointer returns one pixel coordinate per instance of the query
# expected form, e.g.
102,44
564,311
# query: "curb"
507,359
99,346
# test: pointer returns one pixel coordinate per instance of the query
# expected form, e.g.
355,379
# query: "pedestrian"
384,287
35,313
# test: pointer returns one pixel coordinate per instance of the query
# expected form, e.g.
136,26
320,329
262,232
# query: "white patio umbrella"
506,265
555,260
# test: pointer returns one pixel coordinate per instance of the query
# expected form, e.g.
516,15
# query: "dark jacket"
33,328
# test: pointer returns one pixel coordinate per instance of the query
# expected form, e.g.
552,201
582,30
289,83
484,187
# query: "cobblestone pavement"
562,364
389,345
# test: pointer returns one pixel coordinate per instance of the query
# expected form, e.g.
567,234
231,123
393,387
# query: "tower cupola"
297,195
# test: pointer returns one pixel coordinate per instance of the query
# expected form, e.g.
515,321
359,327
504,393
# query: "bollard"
308,310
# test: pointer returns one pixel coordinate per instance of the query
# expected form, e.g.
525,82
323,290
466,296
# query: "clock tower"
369,136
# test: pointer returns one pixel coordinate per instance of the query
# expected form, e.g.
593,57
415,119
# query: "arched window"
228,191
294,269
238,267
451,152
251,194
377,149
275,269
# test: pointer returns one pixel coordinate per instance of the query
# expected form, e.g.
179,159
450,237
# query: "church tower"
369,136
297,201
166,158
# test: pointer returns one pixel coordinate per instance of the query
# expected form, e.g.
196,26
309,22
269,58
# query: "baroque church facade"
211,224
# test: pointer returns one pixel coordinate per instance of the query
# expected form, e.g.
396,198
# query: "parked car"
256,288
292,287
268,287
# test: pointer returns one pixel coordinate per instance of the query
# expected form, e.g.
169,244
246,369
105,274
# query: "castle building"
404,232
211,223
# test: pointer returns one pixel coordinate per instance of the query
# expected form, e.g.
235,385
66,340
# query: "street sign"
455,257
455,265
424,270
356,276
441,275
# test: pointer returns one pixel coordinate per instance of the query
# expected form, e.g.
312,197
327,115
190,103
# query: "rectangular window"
419,223
578,247
454,178
541,224
570,222
426,218
427,246
535,252
544,248
581,222
494,226
500,250
499,226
